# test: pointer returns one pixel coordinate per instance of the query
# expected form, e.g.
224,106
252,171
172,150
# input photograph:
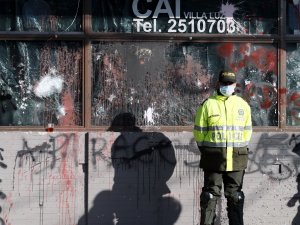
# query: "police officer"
222,131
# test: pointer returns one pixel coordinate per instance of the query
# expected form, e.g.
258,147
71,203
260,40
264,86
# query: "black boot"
208,204
235,209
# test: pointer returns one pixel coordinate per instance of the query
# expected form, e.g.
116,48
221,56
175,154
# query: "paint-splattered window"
156,59
163,83
188,16
40,83
41,15
293,84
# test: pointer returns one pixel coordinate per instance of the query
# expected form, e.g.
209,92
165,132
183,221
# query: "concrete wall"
118,178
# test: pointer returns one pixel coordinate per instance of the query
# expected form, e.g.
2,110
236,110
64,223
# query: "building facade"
98,98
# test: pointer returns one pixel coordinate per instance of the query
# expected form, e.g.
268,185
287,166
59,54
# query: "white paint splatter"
49,84
111,97
149,116
115,219
61,111
133,91
143,54
228,10
198,84
131,100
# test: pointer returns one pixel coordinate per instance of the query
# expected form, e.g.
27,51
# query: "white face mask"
227,90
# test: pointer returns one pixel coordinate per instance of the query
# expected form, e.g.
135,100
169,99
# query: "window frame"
87,36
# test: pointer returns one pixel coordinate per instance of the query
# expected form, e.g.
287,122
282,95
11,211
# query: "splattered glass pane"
41,15
188,16
163,83
40,83
293,84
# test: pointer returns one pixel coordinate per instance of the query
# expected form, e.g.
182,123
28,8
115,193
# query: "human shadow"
296,198
293,200
143,162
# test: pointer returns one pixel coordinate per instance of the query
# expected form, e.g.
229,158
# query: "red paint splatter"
242,64
282,96
68,177
295,98
264,98
70,116
282,91
225,49
265,60
267,101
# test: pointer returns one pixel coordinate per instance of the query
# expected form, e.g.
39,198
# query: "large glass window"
157,59
293,84
163,83
188,16
41,15
40,83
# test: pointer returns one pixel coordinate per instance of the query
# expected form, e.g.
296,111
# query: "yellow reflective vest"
222,130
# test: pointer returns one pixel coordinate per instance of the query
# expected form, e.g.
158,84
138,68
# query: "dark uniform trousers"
211,192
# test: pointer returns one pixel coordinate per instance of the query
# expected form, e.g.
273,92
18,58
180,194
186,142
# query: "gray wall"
136,177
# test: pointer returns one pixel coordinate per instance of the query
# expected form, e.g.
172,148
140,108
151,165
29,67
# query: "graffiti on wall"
52,151
141,165
143,162
274,155
267,158
273,160
40,165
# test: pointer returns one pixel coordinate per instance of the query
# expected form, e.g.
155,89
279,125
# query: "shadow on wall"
143,163
296,197
293,200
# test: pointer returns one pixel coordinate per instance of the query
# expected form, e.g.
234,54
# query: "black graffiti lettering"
27,150
2,164
267,157
143,147
2,194
47,149
62,148
101,144
1,157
